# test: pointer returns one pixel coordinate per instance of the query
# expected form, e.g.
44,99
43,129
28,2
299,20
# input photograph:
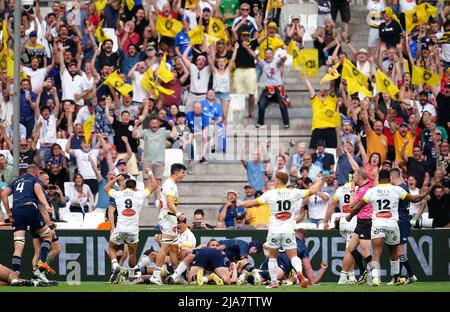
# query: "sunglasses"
245,9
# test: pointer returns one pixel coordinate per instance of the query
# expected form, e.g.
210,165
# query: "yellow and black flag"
293,50
114,81
349,70
309,60
384,84
217,29
100,34
423,76
168,27
196,35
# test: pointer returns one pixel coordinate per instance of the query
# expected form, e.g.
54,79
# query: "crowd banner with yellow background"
168,27
423,76
331,75
217,29
114,81
384,84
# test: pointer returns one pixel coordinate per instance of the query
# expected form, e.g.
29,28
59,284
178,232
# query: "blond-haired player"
282,201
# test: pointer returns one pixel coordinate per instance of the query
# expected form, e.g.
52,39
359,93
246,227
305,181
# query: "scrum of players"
372,214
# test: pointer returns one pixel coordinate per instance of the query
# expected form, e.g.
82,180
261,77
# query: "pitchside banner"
84,253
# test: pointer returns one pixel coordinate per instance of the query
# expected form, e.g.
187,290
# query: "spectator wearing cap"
361,60
403,138
207,10
37,73
229,210
258,217
325,118
200,73
151,60
229,10
249,193
182,38
389,31
239,222
322,159
376,141
343,8
323,11
346,157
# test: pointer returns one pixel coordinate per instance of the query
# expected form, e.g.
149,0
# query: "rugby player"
129,204
342,199
384,199
168,219
27,190
404,226
9,277
282,201
361,235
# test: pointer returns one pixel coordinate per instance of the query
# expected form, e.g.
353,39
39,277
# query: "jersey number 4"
284,205
19,187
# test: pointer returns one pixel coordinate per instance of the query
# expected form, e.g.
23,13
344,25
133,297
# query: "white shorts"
245,81
347,228
391,234
373,37
281,240
118,237
168,224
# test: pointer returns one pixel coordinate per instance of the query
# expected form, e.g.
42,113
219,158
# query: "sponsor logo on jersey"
128,212
383,192
384,214
346,209
282,216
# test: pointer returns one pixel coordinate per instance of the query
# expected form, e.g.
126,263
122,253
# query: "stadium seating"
74,220
173,155
306,226
93,219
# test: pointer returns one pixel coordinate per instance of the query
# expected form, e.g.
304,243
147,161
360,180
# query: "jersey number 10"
284,205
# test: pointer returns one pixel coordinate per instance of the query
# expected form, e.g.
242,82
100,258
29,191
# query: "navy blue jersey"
235,249
23,190
403,206
47,197
302,251
209,259
284,263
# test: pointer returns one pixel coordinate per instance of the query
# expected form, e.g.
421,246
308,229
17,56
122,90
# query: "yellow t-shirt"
398,143
270,42
324,113
258,215
377,144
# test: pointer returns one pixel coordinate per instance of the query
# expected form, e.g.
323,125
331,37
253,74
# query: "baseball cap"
245,32
120,162
231,191
362,50
272,25
150,46
248,186
240,215
404,124
295,16
206,9
33,34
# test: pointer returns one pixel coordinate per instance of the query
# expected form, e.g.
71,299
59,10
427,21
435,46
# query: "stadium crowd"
120,81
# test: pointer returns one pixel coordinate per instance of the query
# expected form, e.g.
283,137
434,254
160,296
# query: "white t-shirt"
199,79
427,107
317,207
139,92
169,188
342,195
83,115
83,163
272,73
282,203
48,130
129,205
71,86
37,77
187,239
407,5
414,207
384,199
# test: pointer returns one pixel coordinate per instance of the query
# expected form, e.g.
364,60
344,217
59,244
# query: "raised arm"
185,57
310,88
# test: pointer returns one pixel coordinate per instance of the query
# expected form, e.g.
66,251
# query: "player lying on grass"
9,277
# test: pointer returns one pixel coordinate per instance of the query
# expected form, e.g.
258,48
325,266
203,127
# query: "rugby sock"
144,270
16,262
205,279
395,268
273,265
368,261
404,261
375,272
343,275
182,267
170,268
297,264
351,274
157,273
114,264
264,274
358,260
251,279
45,248
249,267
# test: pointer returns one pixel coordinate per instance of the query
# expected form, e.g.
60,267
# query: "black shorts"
27,216
344,8
209,259
405,229
363,228
327,134
93,185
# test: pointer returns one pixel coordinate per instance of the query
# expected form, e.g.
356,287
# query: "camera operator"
199,221
57,200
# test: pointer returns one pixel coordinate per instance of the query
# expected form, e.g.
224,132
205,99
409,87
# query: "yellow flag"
168,27
353,86
161,89
431,10
270,42
309,60
217,29
349,70
130,4
423,76
209,40
419,15
114,81
100,5
100,34
5,34
384,84
295,52
274,4
164,74
196,35
332,74
147,81
9,67
391,13
191,3
87,128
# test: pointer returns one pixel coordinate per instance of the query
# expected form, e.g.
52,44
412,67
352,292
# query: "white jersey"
384,199
317,207
129,205
187,239
282,203
169,188
342,195
414,207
